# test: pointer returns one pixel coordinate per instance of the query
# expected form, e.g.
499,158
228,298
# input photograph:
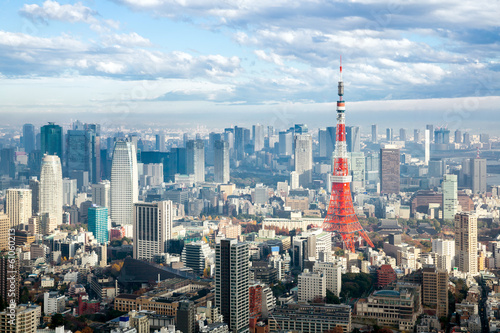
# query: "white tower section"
51,187
124,183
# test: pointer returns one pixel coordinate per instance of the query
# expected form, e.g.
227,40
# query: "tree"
57,320
331,298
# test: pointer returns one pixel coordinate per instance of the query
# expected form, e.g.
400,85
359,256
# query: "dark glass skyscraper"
29,138
52,140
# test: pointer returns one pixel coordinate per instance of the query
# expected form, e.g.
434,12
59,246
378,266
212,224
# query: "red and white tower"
340,216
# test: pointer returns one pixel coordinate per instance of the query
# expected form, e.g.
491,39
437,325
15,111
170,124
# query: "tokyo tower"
340,216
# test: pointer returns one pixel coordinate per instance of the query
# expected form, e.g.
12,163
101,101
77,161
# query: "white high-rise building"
311,286
258,137
101,194
445,253
332,273
303,159
294,180
427,146
232,283
19,209
124,183
221,162
152,228
195,160
51,187
69,191
450,199
466,242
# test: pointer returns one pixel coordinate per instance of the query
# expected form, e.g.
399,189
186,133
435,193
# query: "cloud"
131,39
52,10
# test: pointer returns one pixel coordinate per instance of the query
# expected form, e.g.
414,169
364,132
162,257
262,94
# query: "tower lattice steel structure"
340,216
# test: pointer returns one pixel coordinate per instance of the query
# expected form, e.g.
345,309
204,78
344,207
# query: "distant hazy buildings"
427,146
303,159
84,151
51,188
285,143
124,182
29,138
353,139
374,133
152,228
478,166
389,170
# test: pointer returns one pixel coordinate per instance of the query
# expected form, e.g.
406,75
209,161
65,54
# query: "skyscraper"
303,159
101,194
458,136
52,140
258,137
98,223
84,151
331,139
435,289
322,142
51,187
431,131
416,135
427,146
7,162
374,132
195,160
34,185
29,138
466,242
152,228
285,143
221,162
240,141
450,199
160,142
389,170
232,283
124,183
353,139
402,134
389,135
69,191
186,317
19,210
4,231
478,168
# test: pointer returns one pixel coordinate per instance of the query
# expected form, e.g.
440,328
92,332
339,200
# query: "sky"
223,62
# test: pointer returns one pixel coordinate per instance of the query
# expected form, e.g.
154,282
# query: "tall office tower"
124,183
185,139
331,133
356,165
160,142
322,142
258,137
84,151
19,210
374,132
340,216
34,185
195,255
450,198
478,168
389,134
186,317
98,223
29,138
69,191
466,139
285,143
416,135
51,187
152,228
435,289
231,283
7,162
466,242
458,136
389,170
353,139
4,231
332,273
402,134
303,159
101,194
9,278
442,135
221,162
239,142
431,131
195,160
51,138
427,147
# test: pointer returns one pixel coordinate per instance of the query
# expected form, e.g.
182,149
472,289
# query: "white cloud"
131,39
52,10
